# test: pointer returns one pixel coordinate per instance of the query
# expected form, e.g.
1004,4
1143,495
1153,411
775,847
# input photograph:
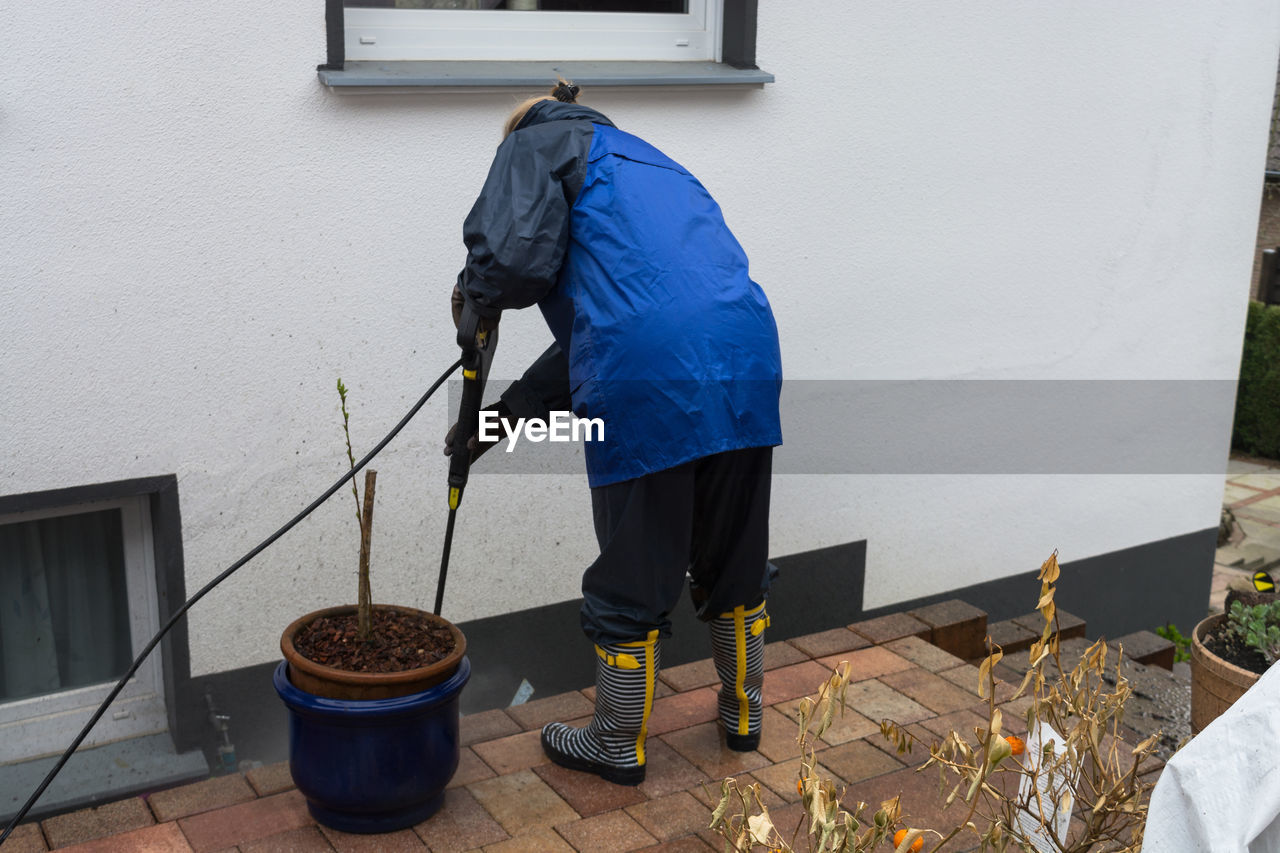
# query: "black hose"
173,620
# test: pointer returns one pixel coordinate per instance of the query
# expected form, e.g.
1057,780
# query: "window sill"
366,77
95,776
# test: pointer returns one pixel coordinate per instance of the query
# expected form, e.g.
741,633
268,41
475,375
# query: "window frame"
499,35
37,726
735,63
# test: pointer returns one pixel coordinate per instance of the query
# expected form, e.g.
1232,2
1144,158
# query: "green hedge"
1257,427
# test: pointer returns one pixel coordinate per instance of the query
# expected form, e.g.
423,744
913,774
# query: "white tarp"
1221,792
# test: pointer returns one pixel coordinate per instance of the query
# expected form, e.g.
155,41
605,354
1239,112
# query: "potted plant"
1229,652
372,693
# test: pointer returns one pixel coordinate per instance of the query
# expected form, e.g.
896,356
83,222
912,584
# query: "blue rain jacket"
660,332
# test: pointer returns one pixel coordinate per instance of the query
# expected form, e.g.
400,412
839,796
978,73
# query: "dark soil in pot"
401,641
1232,649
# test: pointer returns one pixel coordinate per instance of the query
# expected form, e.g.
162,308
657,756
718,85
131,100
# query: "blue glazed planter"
375,765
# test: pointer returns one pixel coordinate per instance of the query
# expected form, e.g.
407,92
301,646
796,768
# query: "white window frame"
40,726
502,35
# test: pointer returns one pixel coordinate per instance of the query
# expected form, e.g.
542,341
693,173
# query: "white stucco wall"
199,238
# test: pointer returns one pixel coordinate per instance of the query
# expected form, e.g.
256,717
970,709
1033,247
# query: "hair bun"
566,92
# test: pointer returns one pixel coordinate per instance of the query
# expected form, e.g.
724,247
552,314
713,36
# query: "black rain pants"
707,519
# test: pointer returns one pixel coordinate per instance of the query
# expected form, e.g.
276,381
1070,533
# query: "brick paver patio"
507,798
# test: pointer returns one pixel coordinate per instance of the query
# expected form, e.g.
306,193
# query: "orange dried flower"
901,834
1017,744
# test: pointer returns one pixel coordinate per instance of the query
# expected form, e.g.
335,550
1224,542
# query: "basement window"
79,597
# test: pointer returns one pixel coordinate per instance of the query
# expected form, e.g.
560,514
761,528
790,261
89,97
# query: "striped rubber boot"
612,745
737,643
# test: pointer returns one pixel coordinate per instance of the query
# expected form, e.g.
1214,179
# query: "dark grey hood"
545,111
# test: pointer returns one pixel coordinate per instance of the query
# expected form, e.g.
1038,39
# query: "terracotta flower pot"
333,683
1215,683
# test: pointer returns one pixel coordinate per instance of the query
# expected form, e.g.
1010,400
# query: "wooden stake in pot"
364,604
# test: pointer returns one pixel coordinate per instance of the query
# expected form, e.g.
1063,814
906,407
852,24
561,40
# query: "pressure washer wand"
477,354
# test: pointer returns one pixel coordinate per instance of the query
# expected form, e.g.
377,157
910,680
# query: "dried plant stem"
364,607
351,458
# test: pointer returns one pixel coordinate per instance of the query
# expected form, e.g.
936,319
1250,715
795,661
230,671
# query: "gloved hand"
474,444
456,303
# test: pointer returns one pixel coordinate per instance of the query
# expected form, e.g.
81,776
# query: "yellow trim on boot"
740,644
619,661
649,677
